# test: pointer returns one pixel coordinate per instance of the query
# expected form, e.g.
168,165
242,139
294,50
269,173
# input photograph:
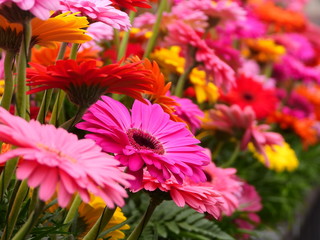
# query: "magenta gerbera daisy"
145,138
57,161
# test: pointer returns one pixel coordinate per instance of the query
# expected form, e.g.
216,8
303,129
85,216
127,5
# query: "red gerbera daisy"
130,4
85,82
249,92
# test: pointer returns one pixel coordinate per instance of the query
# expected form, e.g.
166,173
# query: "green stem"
233,157
6,175
116,39
21,99
61,94
57,107
8,79
74,51
154,202
34,200
29,224
217,150
155,29
46,99
94,232
14,211
268,68
62,51
125,39
182,79
71,122
71,213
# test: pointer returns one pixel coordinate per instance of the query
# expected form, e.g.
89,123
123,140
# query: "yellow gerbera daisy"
90,212
205,91
169,59
61,28
1,88
263,50
281,157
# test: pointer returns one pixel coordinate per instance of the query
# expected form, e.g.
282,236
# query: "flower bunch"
201,118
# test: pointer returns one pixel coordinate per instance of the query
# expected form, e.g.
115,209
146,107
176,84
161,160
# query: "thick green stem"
94,232
74,51
21,98
183,78
29,224
46,99
71,122
61,94
8,79
15,210
155,29
146,217
233,157
71,213
57,107
34,200
6,175
125,39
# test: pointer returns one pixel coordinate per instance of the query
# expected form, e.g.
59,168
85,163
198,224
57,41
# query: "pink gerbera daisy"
55,160
225,181
188,112
217,71
98,11
199,196
39,8
146,137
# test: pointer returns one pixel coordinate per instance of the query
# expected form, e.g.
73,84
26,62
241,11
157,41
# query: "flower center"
248,96
142,140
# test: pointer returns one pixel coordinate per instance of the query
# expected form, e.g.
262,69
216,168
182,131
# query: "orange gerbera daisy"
47,56
304,128
281,19
313,96
159,91
61,28
85,82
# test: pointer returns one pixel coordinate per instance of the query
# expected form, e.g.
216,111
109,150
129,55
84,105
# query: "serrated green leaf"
173,227
162,231
184,214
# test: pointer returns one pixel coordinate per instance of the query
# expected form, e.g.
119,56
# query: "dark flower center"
248,96
142,140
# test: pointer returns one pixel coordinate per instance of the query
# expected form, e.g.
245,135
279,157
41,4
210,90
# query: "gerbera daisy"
281,19
204,91
188,112
98,11
250,203
216,70
56,161
199,196
263,50
158,93
39,8
85,82
131,4
224,181
146,137
47,56
90,212
169,59
281,157
242,125
99,32
249,92
61,28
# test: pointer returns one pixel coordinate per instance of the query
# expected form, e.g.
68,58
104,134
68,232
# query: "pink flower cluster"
57,161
